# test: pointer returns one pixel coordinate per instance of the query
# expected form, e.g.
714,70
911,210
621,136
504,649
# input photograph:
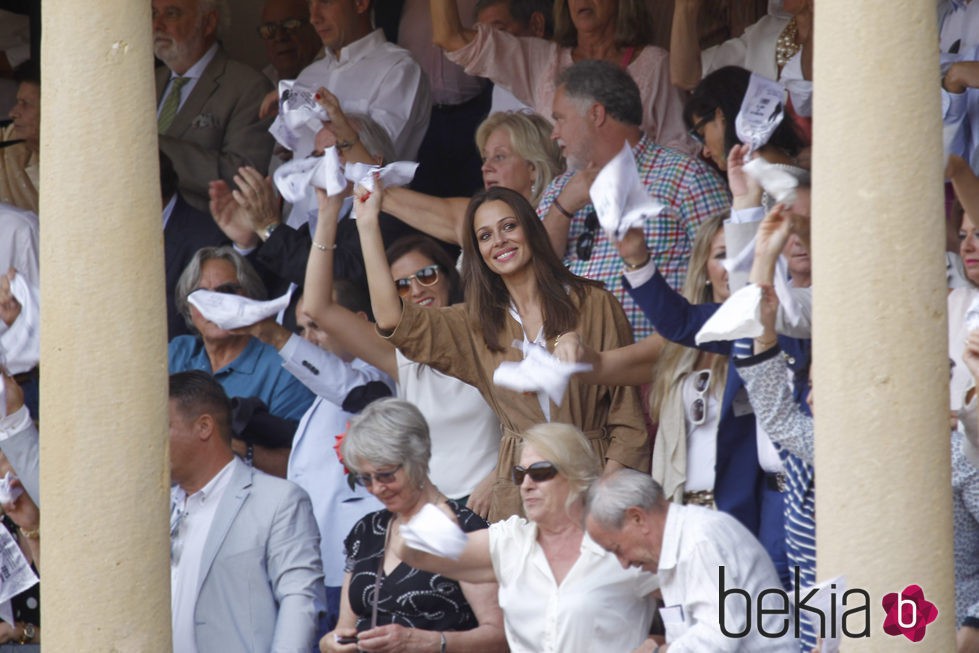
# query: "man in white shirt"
207,104
697,553
367,74
245,567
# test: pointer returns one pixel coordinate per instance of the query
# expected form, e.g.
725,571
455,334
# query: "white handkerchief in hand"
8,492
539,371
398,173
619,197
776,182
434,532
761,111
328,175
20,344
234,311
738,317
294,178
300,117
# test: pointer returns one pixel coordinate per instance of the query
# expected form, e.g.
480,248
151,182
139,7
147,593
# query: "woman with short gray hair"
386,605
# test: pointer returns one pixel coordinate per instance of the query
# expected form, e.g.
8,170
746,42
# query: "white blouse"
599,606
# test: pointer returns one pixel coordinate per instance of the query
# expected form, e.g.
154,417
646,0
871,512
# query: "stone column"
880,343
104,470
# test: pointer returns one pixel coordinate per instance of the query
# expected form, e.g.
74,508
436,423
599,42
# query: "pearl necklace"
786,46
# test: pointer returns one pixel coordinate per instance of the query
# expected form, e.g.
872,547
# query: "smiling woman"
516,290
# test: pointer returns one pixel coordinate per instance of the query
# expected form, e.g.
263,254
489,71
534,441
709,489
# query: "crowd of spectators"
606,517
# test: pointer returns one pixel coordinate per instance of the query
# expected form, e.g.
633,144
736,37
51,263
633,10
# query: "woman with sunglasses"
518,294
387,605
559,590
465,431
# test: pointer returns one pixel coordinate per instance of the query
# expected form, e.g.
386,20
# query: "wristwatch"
267,232
30,632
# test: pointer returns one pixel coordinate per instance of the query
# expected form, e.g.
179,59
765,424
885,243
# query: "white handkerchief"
738,317
300,118
9,493
20,344
294,178
972,315
432,531
539,371
234,311
619,197
775,181
761,111
398,173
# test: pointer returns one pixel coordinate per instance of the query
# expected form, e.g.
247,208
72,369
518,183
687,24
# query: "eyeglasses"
427,276
384,478
542,470
586,241
697,127
268,31
698,408
230,288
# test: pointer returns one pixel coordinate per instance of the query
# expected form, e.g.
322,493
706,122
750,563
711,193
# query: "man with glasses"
597,110
207,104
291,43
245,568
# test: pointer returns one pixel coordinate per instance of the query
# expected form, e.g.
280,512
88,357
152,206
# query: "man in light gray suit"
245,563
207,104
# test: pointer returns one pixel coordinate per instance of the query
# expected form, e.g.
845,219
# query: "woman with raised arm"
465,431
559,590
518,294
617,31
518,153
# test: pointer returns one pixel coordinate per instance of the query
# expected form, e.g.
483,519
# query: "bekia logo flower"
908,613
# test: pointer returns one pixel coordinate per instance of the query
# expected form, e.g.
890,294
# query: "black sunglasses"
542,470
697,126
586,241
230,288
384,478
268,31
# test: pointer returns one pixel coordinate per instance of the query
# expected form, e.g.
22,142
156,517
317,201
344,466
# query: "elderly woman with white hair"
559,590
386,605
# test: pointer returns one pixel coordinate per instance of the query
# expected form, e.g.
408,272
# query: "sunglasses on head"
384,478
543,470
427,276
268,31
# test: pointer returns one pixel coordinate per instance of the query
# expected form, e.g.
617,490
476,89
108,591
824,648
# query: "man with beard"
207,104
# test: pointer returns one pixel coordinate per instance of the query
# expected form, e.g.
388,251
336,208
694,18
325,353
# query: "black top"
408,596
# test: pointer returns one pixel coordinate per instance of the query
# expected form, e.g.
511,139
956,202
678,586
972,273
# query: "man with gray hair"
712,571
207,104
596,111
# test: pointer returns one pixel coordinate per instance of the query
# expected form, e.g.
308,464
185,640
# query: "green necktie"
170,104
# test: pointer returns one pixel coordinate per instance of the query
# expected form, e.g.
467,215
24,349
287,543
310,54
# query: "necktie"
170,104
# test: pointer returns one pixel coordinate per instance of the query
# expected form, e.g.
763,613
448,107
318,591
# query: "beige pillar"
881,357
104,475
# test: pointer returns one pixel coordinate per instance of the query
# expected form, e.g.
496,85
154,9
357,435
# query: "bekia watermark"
833,610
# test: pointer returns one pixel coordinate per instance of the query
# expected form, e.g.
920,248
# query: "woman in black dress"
386,605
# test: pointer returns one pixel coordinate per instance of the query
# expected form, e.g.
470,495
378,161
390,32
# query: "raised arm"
629,365
473,566
685,67
384,296
436,216
342,324
447,30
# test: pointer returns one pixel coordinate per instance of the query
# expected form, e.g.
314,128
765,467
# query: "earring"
533,188
708,283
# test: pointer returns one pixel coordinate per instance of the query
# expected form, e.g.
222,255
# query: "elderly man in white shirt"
688,547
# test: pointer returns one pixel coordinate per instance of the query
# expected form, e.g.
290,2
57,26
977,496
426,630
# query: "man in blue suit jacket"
245,564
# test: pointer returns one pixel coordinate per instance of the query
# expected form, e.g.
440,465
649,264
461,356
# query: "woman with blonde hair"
558,589
518,153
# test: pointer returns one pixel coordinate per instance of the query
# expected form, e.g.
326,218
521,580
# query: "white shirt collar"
168,210
195,71
670,549
214,486
360,48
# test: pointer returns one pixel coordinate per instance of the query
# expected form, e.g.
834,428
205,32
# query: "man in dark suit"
207,104
185,230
